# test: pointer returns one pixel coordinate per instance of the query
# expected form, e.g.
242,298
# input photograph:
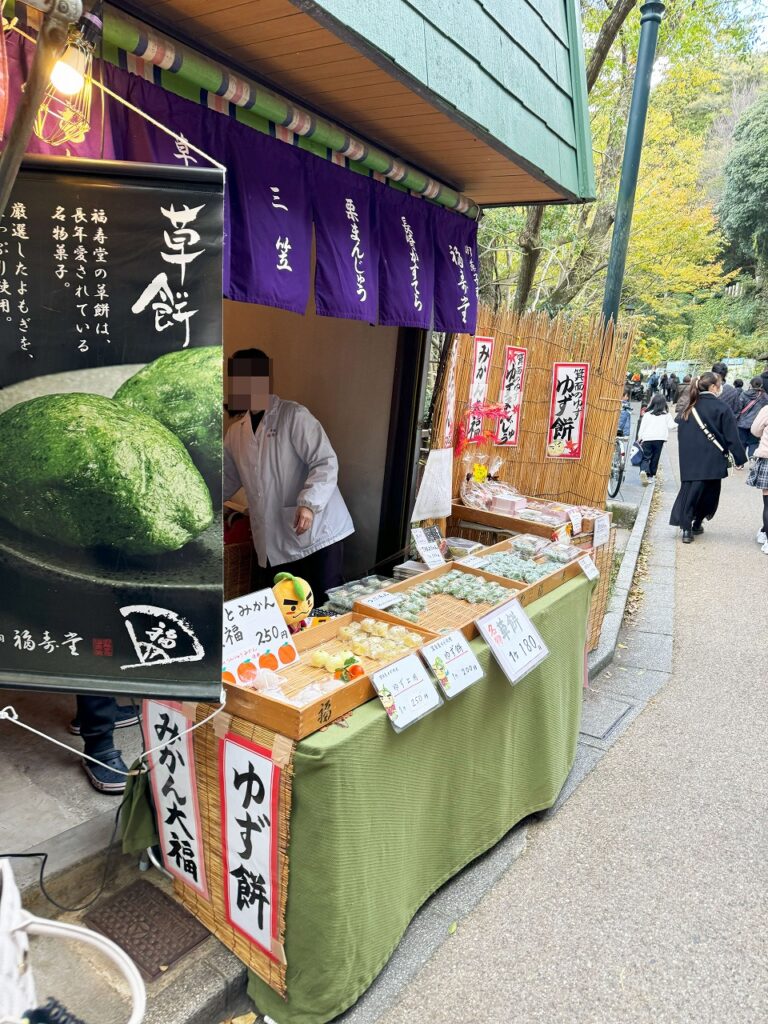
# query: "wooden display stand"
298,722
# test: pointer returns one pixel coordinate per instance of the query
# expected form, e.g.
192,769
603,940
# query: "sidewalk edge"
604,653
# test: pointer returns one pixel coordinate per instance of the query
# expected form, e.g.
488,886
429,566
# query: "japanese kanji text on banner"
110,429
479,385
567,410
250,789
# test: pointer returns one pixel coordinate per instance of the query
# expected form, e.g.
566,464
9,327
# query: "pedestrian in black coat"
702,449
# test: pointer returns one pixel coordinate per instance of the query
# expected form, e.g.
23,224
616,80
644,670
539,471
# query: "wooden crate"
559,575
296,722
443,612
501,521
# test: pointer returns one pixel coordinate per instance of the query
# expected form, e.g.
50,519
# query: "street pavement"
642,899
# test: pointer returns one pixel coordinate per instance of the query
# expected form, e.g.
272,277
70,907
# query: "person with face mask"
706,433
281,456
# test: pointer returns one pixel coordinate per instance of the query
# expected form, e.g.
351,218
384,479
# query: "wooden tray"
513,524
560,574
296,722
443,612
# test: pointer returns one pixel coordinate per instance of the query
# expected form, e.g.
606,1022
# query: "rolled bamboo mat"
548,340
212,912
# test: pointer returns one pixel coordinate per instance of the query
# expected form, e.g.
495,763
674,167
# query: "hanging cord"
106,91
9,714
44,859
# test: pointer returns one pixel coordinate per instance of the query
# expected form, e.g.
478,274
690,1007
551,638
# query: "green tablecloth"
381,820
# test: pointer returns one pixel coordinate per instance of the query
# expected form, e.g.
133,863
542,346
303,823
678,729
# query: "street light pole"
651,15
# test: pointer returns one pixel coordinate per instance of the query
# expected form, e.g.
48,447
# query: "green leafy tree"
744,204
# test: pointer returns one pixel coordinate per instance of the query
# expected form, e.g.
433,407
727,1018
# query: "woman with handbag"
652,436
758,475
707,438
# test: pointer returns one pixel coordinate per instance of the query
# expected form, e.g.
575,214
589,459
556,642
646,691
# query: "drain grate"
151,927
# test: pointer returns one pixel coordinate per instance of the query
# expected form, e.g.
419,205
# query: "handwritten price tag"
454,665
406,691
589,568
381,600
471,560
428,549
513,639
602,530
576,520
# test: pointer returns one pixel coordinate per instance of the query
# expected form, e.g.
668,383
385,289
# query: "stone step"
207,986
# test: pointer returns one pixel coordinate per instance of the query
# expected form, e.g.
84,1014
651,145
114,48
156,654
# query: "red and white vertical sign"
567,410
250,791
511,397
174,789
450,399
478,389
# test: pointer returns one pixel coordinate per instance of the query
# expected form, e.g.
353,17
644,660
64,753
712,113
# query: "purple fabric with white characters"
347,267
406,264
456,271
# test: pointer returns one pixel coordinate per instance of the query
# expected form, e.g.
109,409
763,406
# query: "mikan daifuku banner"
383,255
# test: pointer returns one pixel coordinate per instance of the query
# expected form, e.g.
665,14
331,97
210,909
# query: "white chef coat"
288,462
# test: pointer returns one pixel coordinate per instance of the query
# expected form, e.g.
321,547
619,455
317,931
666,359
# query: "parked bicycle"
618,464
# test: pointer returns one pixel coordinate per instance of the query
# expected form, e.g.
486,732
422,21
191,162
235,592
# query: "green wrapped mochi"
184,391
86,471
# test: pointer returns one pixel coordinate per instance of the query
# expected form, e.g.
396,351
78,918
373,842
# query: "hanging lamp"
65,113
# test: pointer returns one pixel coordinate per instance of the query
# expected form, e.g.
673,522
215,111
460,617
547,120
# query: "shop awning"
488,96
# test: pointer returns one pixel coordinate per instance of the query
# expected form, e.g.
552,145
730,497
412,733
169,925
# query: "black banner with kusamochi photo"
110,429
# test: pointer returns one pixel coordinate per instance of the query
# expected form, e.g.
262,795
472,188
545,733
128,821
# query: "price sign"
589,568
513,639
454,665
471,560
406,691
576,520
382,599
255,636
602,530
429,549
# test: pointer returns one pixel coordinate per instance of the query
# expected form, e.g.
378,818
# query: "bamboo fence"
526,467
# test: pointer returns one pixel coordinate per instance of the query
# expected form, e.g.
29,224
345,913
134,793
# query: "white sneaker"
760,537
764,548
643,478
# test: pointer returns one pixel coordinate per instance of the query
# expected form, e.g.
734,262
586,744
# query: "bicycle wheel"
617,470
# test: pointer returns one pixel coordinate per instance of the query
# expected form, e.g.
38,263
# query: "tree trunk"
608,32
530,237
529,242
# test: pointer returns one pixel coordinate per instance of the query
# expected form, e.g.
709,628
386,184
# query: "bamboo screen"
526,467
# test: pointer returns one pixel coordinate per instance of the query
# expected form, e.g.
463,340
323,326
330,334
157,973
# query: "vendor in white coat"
281,456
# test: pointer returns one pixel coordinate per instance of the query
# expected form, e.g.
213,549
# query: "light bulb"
68,74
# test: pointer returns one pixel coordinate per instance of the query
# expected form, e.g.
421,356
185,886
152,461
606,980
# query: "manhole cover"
151,927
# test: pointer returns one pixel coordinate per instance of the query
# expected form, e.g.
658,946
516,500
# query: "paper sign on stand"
433,500
602,530
589,568
429,550
406,691
255,636
513,639
576,520
453,663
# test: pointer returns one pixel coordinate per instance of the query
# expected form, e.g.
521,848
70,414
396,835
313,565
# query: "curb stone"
604,653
